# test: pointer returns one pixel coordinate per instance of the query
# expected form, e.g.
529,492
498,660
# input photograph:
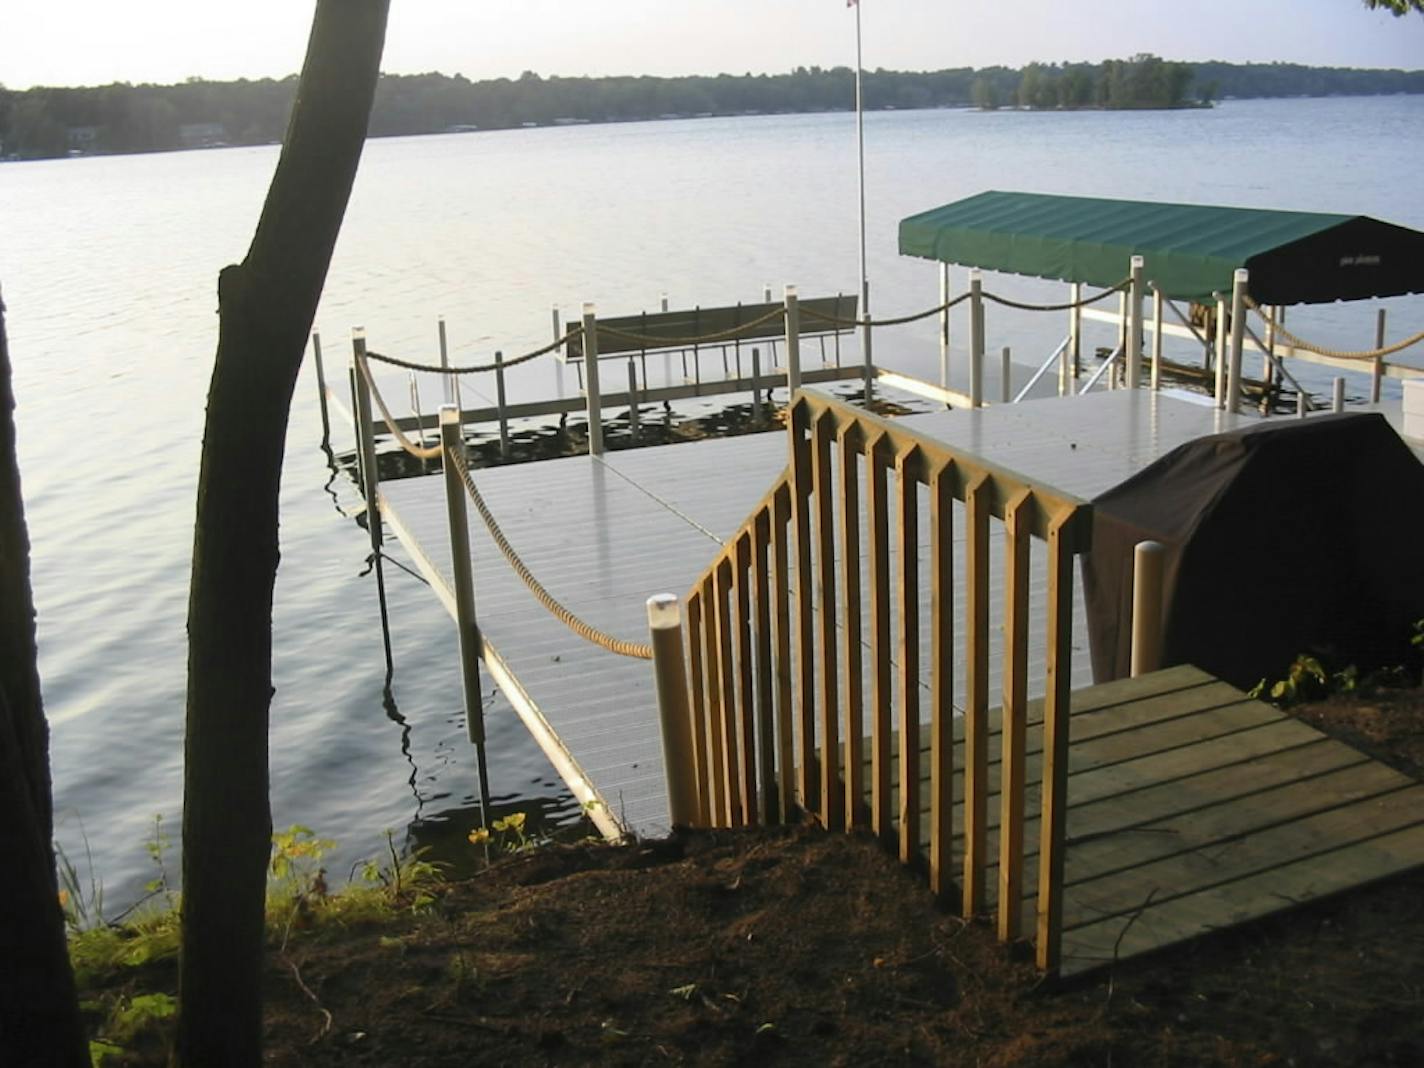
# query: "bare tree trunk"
266,306
39,1016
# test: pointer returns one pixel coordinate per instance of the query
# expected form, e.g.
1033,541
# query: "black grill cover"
1287,537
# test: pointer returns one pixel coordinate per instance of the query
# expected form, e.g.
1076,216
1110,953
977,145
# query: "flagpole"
860,148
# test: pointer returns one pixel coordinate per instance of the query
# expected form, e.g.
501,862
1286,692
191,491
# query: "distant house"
82,139
202,134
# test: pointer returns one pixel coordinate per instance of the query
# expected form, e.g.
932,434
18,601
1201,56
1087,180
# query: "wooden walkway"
1192,807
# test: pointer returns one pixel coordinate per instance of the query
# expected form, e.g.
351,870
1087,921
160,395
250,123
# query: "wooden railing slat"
851,652
801,486
976,710
1054,812
746,718
765,712
908,647
1015,712
827,672
698,705
781,595
716,774
941,678
727,723
878,503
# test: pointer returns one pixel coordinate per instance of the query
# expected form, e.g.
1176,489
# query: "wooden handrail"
780,711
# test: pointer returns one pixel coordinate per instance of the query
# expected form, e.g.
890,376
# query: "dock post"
976,339
793,341
663,301
321,388
1239,281
670,670
452,382
595,401
1006,375
1300,405
756,385
1376,369
366,438
1133,350
1075,329
864,342
1148,560
633,399
499,402
1219,393
461,571
1337,398
944,283
558,363
1157,309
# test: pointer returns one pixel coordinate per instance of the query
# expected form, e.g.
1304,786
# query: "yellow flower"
478,835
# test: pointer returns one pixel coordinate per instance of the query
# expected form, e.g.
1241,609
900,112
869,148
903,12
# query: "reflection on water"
110,267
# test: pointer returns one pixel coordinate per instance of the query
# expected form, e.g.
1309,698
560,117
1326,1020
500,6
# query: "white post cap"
664,612
449,414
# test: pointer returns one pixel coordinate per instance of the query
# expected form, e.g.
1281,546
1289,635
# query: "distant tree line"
145,118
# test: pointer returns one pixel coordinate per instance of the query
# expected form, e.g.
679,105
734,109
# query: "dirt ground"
796,946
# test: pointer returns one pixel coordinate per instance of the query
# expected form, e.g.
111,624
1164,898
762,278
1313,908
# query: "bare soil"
797,946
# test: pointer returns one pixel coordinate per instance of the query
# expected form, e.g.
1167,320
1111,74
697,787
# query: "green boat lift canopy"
1190,250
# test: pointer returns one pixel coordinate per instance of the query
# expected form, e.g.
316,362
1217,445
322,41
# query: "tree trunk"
39,1016
266,305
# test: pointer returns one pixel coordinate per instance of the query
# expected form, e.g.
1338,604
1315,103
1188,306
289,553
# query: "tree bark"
266,306
39,1015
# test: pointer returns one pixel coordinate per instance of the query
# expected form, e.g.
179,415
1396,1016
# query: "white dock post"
452,382
1219,393
1148,558
366,439
321,388
595,401
670,670
500,404
558,363
793,341
1300,408
1377,367
1239,281
1133,350
1157,308
467,629
663,301
1006,374
1075,330
944,282
765,293
976,339
1337,400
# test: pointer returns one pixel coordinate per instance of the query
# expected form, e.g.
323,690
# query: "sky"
93,42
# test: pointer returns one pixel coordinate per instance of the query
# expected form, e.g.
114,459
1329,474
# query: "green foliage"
508,834
1305,679
133,1021
295,852
1397,7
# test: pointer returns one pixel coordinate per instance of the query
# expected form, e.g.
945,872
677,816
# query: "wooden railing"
797,660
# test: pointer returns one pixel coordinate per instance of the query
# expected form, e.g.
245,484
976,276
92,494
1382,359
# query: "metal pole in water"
976,339
1006,375
1219,393
1157,309
944,282
595,401
366,445
1337,401
321,389
670,670
1148,560
633,399
756,385
452,442
793,341
1239,282
500,405
1075,329
1377,370
1133,351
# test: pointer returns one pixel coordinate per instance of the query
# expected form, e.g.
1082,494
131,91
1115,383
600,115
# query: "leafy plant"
1305,679
83,905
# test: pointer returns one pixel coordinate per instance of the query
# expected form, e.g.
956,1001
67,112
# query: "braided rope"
704,339
543,596
1069,306
1336,354
835,320
476,368
420,452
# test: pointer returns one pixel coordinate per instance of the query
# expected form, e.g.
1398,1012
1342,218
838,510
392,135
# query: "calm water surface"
109,269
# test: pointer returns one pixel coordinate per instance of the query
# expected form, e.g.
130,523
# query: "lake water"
109,269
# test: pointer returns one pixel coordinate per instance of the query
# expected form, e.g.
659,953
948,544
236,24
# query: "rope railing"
565,616
1369,355
836,320
420,452
477,368
1082,302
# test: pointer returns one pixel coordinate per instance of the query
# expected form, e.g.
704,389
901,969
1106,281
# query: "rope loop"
1069,306
1335,354
420,452
476,368
836,320
584,630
